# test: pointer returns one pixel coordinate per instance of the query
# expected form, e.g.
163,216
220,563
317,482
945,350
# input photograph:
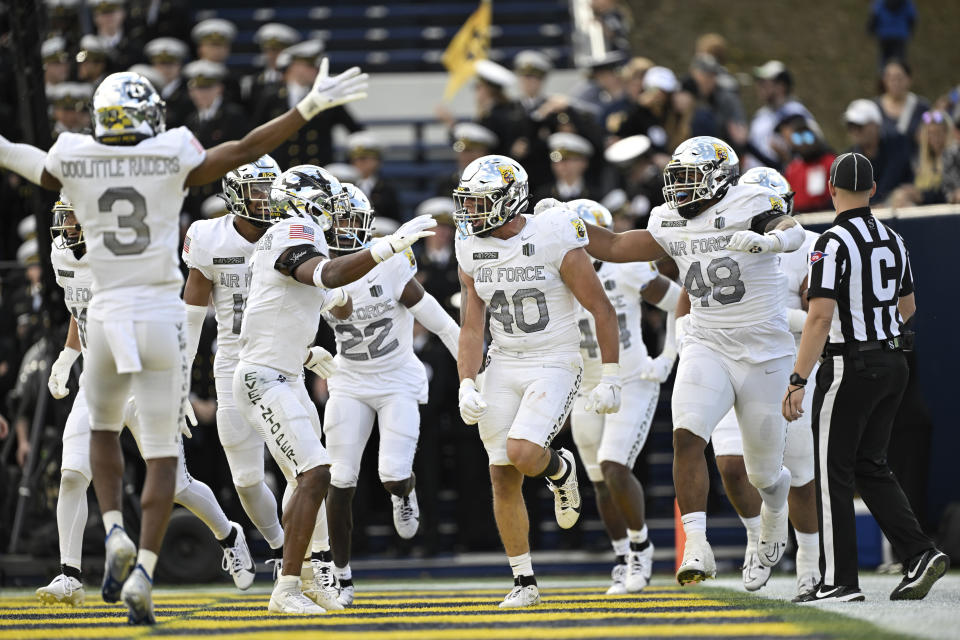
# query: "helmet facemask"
249,199
689,188
351,231
65,231
479,213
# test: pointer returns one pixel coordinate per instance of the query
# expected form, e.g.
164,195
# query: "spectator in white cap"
887,149
92,60
470,141
214,38
569,157
109,19
531,68
272,38
774,88
640,180
70,102
662,112
166,56
56,61
365,152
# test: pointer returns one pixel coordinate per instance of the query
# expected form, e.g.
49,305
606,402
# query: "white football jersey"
217,250
531,309
76,280
378,335
731,292
623,283
282,315
128,200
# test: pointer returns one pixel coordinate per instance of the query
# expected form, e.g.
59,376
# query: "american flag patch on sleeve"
186,244
301,232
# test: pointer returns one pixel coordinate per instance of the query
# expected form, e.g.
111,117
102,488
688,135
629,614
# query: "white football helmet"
593,212
308,191
247,189
126,109
700,171
772,179
492,190
351,231
65,231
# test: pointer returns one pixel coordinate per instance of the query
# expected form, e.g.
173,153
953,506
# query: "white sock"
321,539
775,496
522,565
638,535
287,583
621,547
753,526
695,524
71,516
343,573
199,499
147,560
808,552
261,507
111,518
561,471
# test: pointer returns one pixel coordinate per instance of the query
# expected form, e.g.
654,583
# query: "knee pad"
344,475
71,480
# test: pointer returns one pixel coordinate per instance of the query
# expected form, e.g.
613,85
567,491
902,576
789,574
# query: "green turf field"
445,610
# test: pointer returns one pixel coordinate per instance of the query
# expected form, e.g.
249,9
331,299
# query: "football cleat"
323,588
406,514
639,569
698,563
137,594
121,555
825,593
773,535
293,602
566,493
619,576
238,562
346,592
521,596
919,575
756,574
62,590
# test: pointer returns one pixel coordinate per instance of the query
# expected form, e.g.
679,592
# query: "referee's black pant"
854,405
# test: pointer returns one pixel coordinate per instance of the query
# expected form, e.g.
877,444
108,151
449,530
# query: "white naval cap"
627,150
530,62
496,74
468,134
364,143
55,47
166,49
563,145
216,29
276,35
205,72
308,50
440,207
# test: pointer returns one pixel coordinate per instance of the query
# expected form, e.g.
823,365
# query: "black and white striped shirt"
863,265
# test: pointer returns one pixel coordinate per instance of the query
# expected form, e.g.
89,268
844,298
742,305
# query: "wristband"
317,275
610,370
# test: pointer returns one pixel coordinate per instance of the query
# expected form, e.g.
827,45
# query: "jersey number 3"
723,282
134,221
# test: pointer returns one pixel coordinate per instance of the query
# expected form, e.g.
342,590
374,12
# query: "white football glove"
658,369
335,298
403,238
320,361
472,406
605,397
752,242
189,418
60,372
328,92
547,203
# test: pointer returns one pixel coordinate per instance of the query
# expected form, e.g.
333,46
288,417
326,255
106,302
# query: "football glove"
658,369
752,242
547,203
189,418
328,92
335,298
320,361
401,239
60,372
605,397
472,406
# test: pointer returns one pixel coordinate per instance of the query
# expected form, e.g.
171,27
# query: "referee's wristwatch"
797,381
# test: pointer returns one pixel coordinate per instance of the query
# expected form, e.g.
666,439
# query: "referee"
861,292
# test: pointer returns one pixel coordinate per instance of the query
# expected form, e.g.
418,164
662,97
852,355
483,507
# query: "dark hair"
900,62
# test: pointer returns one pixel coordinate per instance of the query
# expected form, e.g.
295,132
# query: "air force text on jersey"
132,166
530,273
699,245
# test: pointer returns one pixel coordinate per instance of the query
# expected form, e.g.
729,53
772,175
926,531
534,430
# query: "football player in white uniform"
73,274
609,444
798,455
377,376
529,272
737,352
218,254
127,182
292,282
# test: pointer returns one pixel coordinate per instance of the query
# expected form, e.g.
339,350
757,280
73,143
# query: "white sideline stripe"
826,411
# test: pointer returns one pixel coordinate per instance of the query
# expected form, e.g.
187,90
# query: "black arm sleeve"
293,257
763,222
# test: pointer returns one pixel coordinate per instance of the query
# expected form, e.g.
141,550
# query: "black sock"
552,467
639,546
230,540
322,556
524,581
621,559
69,571
277,553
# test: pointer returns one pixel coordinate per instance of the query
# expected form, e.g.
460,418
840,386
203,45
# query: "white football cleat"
566,493
619,576
346,593
137,594
639,569
323,588
293,602
755,574
238,562
521,596
773,535
406,514
121,555
698,563
62,590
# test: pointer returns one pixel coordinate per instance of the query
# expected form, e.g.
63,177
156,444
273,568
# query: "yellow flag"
471,43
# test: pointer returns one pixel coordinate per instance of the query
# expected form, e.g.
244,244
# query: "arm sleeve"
24,159
431,315
826,268
195,317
